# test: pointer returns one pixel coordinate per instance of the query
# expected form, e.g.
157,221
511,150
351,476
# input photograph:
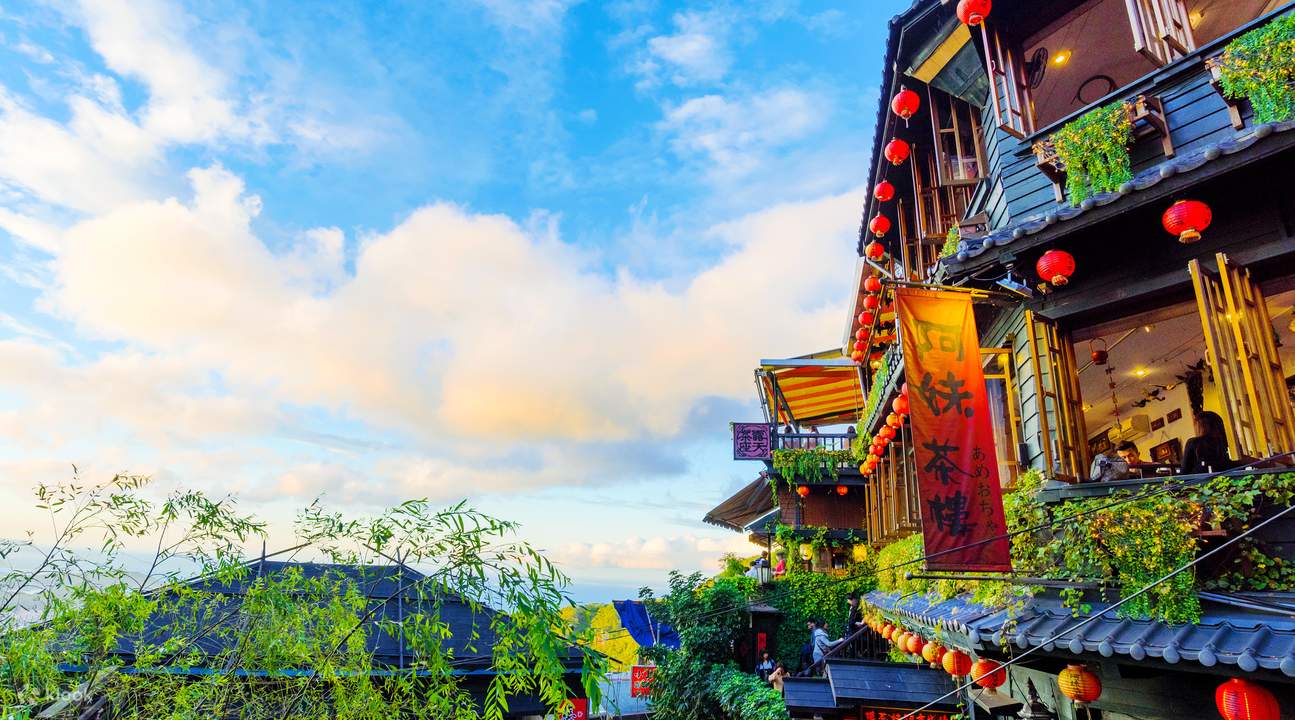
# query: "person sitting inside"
1108,466
1128,452
776,677
1207,452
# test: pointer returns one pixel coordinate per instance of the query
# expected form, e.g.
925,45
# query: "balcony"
759,441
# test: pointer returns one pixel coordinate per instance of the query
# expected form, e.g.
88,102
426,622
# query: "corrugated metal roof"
1058,214
1226,635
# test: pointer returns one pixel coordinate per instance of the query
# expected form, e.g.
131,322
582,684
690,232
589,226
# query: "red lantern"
857,356
900,640
879,225
1080,684
933,653
894,420
872,302
973,12
956,663
802,490
860,345
1187,219
900,405
1056,267
887,432
866,317
883,192
886,630
875,250
1239,699
906,103
861,334
896,151
842,490
915,644
872,284
863,470
988,674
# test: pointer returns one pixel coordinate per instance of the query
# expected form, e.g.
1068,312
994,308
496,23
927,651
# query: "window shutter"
1161,31
1010,96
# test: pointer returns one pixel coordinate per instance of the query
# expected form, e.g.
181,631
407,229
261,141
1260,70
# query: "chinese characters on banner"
579,710
641,680
953,438
897,714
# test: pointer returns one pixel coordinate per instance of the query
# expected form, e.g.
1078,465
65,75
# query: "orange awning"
819,389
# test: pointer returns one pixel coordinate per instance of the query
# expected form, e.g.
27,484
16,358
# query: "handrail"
845,643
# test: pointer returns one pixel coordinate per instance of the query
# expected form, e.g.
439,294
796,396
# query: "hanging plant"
951,243
1094,149
1260,66
808,464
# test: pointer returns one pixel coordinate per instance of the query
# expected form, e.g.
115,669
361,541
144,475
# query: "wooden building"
1037,155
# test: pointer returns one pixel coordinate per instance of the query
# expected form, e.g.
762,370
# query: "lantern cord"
1166,488
1087,621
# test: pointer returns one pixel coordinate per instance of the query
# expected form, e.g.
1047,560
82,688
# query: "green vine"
802,595
743,696
1095,151
808,464
876,394
950,247
1260,66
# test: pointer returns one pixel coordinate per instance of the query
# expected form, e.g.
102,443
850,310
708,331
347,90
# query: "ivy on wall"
1260,66
1094,149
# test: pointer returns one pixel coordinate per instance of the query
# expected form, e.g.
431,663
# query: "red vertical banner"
579,710
953,437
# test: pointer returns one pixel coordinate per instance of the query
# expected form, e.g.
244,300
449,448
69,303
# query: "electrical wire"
1094,618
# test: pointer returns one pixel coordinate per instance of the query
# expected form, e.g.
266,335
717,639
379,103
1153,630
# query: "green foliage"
602,624
709,617
295,646
743,696
1260,66
950,247
808,464
870,406
1094,149
803,596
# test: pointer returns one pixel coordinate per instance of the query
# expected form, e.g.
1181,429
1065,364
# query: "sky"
522,252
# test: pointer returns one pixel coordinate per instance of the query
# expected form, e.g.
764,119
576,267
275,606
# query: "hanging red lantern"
1187,219
901,640
887,432
1080,684
894,420
860,345
871,302
956,663
863,468
896,151
842,490
906,103
872,284
883,192
857,356
974,12
886,630
915,644
1056,267
879,225
934,654
802,490
900,405
988,674
866,317
875,250
1239,699
861,334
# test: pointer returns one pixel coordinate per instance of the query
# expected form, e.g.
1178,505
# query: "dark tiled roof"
892,683
1226,635
1060,213
808,694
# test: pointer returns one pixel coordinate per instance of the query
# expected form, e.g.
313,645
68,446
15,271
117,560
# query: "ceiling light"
1141,372
1061,58
1087,407
1194,18
1148,328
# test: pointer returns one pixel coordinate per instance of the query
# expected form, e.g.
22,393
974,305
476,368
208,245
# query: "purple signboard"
752,441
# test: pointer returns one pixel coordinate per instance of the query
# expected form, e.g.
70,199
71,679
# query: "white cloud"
697,52
654,553
733,137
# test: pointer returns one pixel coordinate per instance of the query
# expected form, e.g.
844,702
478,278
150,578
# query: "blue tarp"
645,631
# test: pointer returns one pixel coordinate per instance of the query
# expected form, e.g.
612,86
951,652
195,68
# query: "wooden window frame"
944,167
1161,30
1013,103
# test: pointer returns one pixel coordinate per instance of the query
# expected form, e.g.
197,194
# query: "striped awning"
819,389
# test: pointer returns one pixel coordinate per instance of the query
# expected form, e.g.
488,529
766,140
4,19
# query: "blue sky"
521,251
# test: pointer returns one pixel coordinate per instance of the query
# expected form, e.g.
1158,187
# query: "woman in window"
1208,450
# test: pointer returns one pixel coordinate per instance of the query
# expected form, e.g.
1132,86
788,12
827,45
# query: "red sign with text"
953,436
641,680
579,710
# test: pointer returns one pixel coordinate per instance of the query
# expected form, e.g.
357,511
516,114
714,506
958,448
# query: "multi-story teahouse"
1060,412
